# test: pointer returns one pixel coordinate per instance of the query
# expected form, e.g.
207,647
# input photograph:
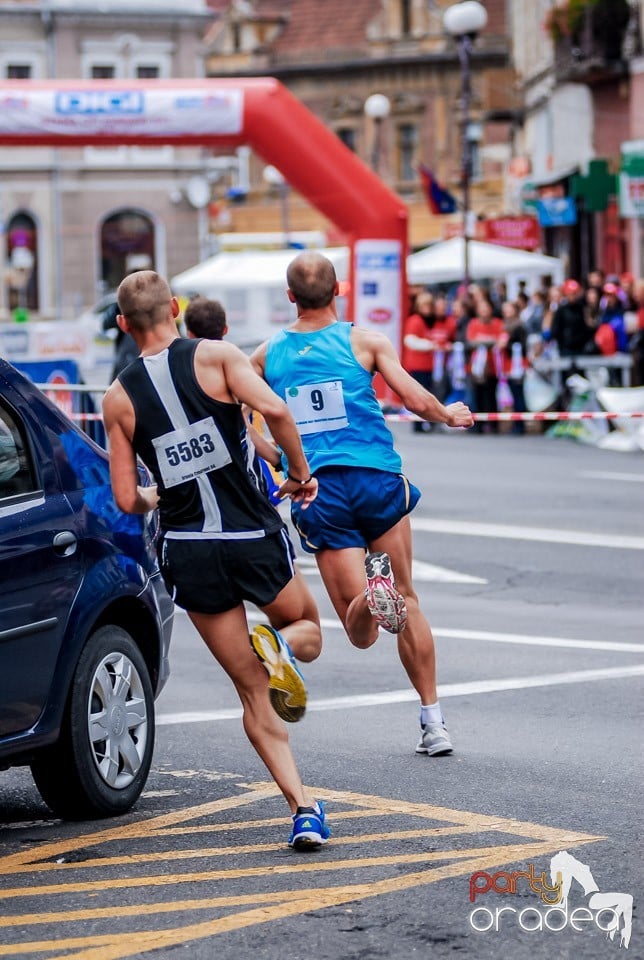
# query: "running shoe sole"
307,841
386,605
286,688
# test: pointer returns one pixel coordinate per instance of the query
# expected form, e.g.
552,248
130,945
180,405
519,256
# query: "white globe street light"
377,107
464,21
466,18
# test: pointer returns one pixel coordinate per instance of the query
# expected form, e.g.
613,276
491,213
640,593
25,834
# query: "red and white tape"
528,417
478,417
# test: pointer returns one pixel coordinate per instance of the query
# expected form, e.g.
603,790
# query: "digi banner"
120,110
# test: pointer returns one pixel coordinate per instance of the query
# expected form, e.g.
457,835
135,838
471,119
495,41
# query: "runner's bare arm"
249,388
258,358
129,496
414,397
264,447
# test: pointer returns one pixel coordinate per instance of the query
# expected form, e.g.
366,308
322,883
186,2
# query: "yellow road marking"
308,866
119,946
536,840
162,856
429,811
139,829
268,822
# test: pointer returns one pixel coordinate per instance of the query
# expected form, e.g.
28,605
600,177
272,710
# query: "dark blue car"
85,620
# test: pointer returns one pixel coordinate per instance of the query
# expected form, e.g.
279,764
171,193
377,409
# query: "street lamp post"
377,107
464,21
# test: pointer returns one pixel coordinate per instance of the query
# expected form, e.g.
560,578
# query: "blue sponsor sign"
379,261
557,212
92,102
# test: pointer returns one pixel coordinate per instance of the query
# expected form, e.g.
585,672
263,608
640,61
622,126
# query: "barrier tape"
529,417
478,417
508,417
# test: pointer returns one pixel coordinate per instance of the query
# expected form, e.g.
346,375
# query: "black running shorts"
212,576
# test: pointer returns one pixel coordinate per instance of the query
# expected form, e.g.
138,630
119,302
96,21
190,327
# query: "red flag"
440,200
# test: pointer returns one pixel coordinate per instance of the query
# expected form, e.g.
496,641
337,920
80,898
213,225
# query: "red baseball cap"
571,286
610,288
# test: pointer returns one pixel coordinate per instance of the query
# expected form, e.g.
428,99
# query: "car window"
16,468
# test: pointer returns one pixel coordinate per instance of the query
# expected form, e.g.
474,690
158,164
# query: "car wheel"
101,761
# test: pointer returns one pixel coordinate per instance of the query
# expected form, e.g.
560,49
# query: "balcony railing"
602,42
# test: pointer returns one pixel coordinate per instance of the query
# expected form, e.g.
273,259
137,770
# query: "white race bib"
186,453
317,407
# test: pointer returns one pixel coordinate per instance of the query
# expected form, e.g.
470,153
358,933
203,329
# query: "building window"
22,258
407,142
147,72
237,37
103,71
348,137
18,71
405,17
127,243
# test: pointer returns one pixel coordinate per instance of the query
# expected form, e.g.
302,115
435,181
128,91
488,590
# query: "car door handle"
65,543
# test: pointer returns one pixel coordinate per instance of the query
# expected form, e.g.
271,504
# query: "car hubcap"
117,720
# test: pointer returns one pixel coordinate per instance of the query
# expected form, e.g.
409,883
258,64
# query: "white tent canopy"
246,268
251,286
445,263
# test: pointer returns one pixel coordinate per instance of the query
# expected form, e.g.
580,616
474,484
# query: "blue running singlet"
332,399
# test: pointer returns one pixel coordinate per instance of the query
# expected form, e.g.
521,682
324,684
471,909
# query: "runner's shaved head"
144,299
312,281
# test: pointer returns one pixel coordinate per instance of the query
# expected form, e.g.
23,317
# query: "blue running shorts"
354,507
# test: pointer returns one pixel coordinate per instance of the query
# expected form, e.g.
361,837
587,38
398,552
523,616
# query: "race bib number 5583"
190,451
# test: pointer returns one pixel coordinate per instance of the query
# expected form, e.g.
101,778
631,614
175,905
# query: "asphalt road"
529,563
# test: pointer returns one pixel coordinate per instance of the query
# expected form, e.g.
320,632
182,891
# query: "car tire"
100,763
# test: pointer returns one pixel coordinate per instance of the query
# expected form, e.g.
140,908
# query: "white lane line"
521,639
579,538
524,639
527,640
606,475
425,572
444,691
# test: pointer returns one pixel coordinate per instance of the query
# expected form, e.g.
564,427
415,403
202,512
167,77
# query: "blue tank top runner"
332,399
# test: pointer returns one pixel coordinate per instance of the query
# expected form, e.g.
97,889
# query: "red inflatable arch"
259,112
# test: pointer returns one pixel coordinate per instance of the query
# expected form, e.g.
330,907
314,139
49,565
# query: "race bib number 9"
317,407
188,452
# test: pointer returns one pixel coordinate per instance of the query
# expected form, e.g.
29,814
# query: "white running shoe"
386,605
434,740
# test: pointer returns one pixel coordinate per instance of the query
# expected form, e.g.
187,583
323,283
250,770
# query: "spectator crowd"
478,345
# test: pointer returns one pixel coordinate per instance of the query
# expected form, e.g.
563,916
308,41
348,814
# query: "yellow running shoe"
285,685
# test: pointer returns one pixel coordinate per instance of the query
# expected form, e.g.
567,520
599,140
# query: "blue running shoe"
310,830
285,685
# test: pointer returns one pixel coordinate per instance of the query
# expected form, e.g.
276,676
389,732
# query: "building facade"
77,220
579,154
335,57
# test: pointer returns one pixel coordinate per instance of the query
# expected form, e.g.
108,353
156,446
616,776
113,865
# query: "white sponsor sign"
631,196
120,111
378,265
